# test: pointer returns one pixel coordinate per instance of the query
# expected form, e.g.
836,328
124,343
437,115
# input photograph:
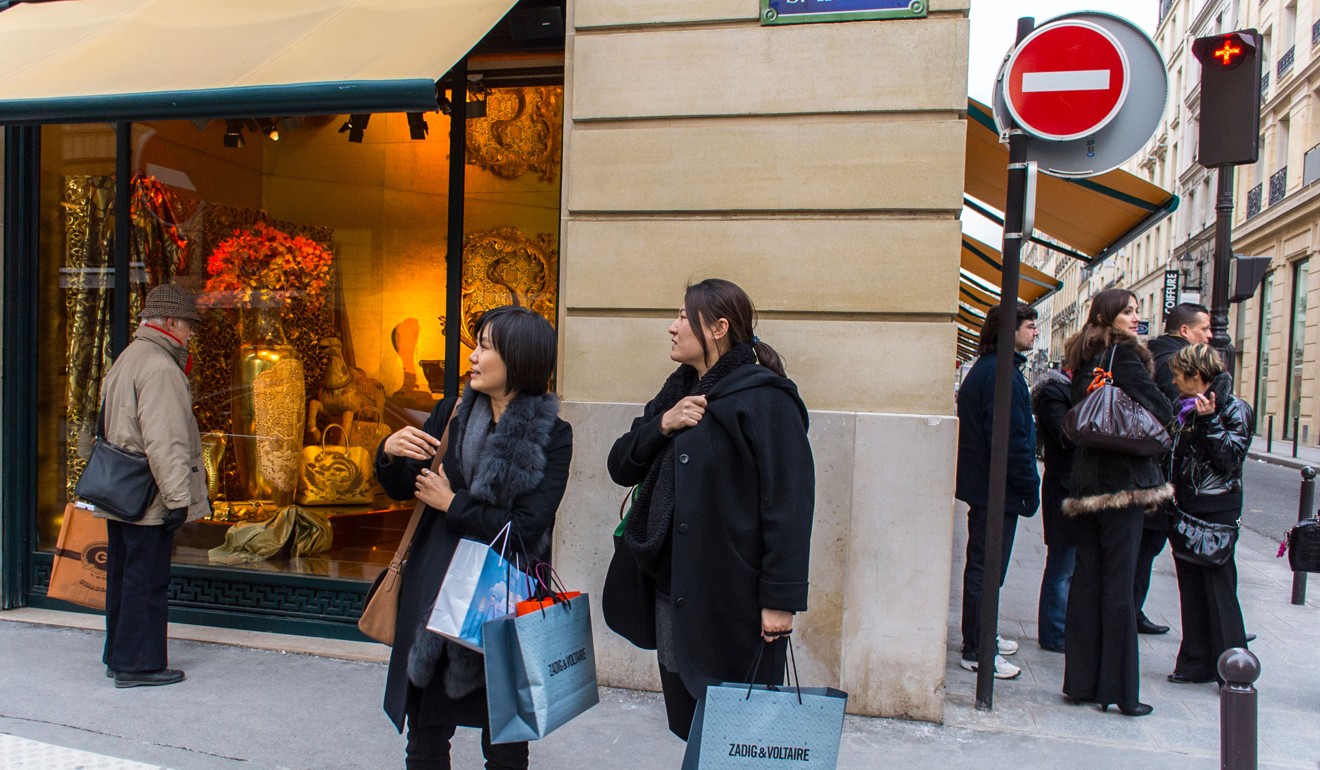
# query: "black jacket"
1208,452
1103,481
976,405
744,502
532,510
1050,401
1162,349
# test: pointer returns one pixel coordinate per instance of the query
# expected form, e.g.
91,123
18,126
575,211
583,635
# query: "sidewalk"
250,708
1282,453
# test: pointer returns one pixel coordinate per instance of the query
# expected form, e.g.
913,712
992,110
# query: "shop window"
1263,352
1296,347
320,263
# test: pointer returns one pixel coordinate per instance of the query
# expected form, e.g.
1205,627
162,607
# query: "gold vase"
268,409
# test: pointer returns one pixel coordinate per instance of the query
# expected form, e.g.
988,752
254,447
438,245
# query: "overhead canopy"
979,283
1092,217
121,60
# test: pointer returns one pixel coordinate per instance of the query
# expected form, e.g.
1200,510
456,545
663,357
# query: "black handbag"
116,481
1202,542
1303,545
1108,420
628,597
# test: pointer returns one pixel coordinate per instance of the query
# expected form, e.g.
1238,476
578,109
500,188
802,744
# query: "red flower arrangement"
267,261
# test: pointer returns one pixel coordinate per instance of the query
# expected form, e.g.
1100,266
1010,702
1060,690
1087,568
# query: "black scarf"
653,510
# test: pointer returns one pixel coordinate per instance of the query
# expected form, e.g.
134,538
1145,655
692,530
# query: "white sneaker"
1003,669
1006,646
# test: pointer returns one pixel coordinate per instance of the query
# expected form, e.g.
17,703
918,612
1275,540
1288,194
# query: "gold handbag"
366,433
335,475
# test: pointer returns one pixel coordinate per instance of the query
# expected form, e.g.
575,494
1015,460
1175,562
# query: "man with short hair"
1187,324
148,410
976,401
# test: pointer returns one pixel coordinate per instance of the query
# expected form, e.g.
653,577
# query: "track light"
269,128
446,106
233,133
417,127
476,105
355,125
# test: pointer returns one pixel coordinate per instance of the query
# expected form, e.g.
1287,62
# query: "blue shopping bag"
540,670
749,727
479,585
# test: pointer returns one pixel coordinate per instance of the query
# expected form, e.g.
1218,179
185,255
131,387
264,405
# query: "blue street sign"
1143,328
805,11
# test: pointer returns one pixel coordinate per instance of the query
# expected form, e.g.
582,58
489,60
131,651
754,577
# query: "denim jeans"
1053,606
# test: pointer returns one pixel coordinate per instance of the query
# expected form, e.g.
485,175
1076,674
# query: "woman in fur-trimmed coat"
507,461
1108,497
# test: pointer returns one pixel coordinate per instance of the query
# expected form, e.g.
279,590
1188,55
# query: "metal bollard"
1237,709
1305,507
1296,420
1269,435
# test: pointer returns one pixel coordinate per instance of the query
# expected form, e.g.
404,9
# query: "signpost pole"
1219,338
1014,218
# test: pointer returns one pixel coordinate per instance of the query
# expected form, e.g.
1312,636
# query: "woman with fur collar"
507,461
1108,496
1210,443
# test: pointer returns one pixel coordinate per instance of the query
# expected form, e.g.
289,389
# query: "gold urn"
267,409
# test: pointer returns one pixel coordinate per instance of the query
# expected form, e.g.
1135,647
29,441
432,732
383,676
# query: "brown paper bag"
78,572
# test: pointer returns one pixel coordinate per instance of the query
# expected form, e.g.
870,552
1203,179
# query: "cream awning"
113,60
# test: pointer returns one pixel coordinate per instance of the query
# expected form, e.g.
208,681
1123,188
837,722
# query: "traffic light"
1230,98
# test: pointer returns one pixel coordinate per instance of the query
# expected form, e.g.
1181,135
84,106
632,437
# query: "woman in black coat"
719,532
1108,497
1050,400
1209,446
507,461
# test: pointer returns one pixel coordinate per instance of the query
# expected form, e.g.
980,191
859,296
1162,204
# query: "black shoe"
1137,710
1251,638
1051,647
1177,678
148,678
1144,626
109,673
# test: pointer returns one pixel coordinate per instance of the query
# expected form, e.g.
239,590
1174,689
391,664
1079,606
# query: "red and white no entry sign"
1066,80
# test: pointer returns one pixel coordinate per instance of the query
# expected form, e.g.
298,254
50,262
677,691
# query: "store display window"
317,248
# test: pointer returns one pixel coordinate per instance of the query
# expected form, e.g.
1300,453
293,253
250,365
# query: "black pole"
1269,435
1296,420
1239,669
1219,338
119,319
1014,219
454,248
1305,509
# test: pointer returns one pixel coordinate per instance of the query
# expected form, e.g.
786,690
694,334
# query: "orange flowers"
268,261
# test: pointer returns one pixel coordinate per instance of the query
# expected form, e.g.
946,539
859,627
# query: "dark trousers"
1100,662
137,588
974,573
1152,543
680,706
1211,616
1052,612
428,749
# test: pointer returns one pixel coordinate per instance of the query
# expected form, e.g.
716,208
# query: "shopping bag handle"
756,665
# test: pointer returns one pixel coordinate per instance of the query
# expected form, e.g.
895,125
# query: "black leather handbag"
1202,542
116,481
1303,545
1108,420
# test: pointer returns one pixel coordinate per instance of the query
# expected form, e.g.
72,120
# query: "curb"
1296,463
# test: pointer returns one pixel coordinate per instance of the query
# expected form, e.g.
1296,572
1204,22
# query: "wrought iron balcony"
1265,82
1165,7
1253,201
1311,166
1278,185
1286,61
1315,32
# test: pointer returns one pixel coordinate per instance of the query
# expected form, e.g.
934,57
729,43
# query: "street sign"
1067,80
1172,282
1127,131
806,11
1143,328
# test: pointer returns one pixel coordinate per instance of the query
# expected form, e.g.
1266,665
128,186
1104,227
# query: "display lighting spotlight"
446,106
271,130
355,125
233,133
477,91
417,127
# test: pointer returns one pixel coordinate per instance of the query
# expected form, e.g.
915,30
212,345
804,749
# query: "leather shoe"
1251,638
1177,678
1145,626
109,673
148,678
1051,647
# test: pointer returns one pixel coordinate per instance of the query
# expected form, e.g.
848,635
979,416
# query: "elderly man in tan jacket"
148,410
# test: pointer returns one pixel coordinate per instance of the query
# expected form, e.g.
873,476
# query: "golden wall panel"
852,265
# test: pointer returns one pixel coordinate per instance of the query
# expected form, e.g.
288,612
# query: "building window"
1263,351
1296,347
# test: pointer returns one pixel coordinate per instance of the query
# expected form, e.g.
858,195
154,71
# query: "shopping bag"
77,574
748,727
540,670
479,585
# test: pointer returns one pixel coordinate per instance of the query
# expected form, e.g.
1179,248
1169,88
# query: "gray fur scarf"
512,464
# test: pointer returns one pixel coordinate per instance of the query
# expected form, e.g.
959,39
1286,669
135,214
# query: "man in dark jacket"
976,400
1187,324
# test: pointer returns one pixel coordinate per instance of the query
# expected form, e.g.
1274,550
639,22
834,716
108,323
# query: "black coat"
1107,480
744,501
438,534
1161,350
976,406
1208,452
1050,401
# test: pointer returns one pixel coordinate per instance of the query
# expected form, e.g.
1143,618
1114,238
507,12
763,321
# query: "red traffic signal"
1227,54
1230,98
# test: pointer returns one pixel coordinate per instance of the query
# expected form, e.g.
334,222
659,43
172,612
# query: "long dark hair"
715,298
1099,333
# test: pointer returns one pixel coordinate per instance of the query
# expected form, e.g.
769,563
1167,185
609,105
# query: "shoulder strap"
406,543
1112,352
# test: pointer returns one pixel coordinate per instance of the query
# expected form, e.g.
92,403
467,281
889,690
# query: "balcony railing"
1165,7
1311,166
1315,32
1253,201
1265,82
1278,185
1286,61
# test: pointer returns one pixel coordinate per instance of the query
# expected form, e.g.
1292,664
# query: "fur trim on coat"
1150,499
513,464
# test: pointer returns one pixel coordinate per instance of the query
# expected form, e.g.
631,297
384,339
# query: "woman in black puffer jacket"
1209,447
1108,496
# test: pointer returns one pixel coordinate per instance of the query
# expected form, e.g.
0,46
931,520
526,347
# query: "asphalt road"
1272,493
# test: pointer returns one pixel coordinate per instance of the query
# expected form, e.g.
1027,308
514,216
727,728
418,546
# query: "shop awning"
1093,218
979,283
120,60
